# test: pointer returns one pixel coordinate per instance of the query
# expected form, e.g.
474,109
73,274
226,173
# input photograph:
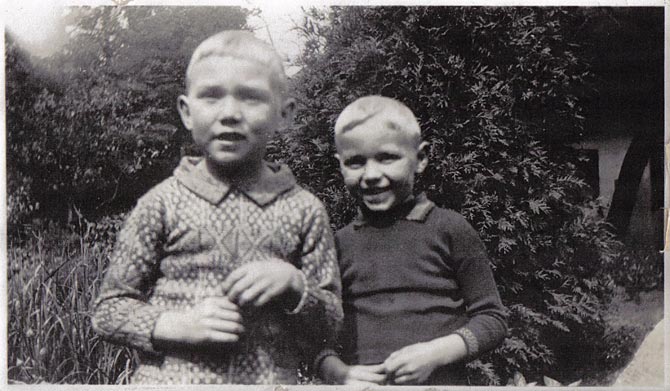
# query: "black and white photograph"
319,195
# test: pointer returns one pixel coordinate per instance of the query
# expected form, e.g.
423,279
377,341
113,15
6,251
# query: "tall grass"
53,277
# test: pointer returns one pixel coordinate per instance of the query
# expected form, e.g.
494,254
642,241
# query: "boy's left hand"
257,283
412,364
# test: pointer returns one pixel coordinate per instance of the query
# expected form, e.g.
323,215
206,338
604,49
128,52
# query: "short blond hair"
243,45
396,115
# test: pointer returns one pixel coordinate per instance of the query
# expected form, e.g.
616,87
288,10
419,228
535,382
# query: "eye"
210,95
387,158
354,162
252,95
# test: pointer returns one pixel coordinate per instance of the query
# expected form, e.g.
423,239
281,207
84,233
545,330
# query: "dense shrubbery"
498,94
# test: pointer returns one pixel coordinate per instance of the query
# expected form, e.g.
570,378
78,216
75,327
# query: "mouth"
230,137
374,191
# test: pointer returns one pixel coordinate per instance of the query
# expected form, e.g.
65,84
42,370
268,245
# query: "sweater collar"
416,209
275,180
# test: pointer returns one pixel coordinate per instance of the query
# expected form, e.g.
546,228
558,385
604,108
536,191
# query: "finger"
377,368
376,378
405,379
226,314
223,337
263,299
253,292
224,326
240,286
233,277
392,364
224,303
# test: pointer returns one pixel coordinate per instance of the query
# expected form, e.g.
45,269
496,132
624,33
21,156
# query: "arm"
121,313
319,310
486,326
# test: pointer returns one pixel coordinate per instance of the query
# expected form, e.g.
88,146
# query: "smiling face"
231,109
379,163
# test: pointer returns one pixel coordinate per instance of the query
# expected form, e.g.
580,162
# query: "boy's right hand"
335,371
213,321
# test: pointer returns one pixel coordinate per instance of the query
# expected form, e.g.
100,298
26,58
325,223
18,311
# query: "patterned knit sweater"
180,243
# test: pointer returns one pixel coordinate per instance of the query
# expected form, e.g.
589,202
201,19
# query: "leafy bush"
638,271
497,92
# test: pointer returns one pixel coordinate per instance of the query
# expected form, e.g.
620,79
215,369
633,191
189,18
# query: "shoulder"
451,223
302,199
161,190
158,197
345,231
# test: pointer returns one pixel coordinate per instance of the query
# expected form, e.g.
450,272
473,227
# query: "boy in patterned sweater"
418,293
225,272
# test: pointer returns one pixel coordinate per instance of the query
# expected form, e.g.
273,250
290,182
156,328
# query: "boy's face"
379,164
231,109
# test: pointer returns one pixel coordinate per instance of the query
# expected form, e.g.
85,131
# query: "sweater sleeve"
121,313
320,309
487,324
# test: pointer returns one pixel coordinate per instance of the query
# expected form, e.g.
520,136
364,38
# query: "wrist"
297,282
334,370
168,328
448,349
296,295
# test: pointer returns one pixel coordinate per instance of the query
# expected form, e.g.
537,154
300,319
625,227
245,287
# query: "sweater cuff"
471,342
322,356
303,296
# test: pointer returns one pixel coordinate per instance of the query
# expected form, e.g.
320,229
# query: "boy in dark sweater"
418,294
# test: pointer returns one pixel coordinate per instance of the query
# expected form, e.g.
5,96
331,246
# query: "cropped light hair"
394,114
242,45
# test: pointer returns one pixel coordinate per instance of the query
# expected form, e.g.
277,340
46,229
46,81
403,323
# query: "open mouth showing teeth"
230,137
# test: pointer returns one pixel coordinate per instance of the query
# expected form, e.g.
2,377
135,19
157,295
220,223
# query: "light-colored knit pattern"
176,248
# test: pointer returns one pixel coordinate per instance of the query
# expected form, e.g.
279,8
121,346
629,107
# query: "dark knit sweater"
414,275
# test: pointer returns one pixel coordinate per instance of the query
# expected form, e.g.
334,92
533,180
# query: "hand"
413,364
335,371
213,321
369,375
257,283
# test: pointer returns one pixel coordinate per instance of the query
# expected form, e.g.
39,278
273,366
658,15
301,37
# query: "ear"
184,111
422,157
288,110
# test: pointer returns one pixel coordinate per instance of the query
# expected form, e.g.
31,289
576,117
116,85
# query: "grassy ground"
52,285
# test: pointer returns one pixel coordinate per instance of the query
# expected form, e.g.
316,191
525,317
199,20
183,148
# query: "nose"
371,173
229,110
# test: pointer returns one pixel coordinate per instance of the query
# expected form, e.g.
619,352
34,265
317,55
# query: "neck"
399,211
240,175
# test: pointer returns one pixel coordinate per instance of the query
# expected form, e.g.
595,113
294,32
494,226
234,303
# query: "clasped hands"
412,364
217,320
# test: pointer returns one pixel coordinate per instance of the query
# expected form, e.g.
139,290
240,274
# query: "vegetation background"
502,95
